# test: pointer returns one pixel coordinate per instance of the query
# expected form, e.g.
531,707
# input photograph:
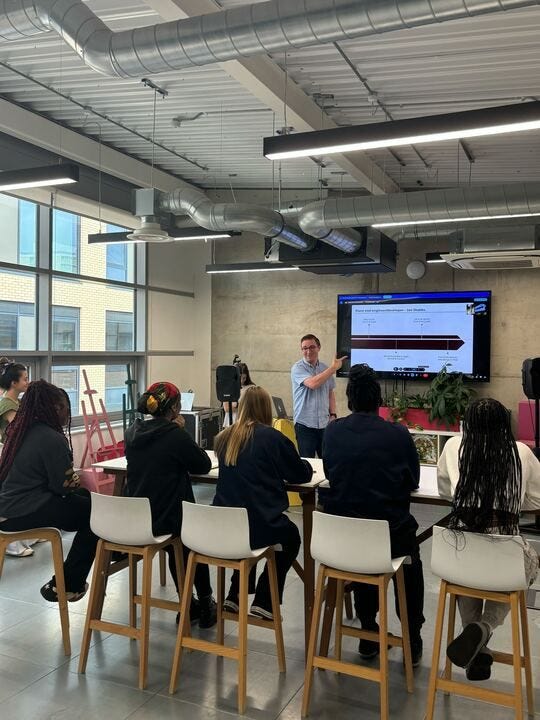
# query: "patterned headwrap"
160,396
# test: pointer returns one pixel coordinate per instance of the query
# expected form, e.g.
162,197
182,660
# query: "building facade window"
119,331
17,325
18,239
65,241
67,377
116,257
115,386
27,232
65,328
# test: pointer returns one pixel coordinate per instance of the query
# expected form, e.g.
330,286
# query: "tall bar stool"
124,524
489,567
356,550
219,536
53,536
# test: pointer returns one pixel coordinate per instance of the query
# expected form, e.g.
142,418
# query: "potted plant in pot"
448,397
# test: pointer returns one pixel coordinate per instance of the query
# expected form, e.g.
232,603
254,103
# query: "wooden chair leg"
220,600
184,625
242,635
383,645
313,634
437,640
339,619
146,594
3,547
526,653
328,616
516,652
132,569
179,565
95,602
405,635
162,568
348,605
451,630
276,609
58,562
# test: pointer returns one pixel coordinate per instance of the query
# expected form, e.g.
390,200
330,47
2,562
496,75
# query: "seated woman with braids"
490,478
160,455
38,487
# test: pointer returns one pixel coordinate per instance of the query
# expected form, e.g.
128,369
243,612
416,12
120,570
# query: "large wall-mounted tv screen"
412,335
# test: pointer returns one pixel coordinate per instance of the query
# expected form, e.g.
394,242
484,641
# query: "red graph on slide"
406,342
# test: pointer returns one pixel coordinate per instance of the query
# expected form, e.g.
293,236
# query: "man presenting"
372,467
314,401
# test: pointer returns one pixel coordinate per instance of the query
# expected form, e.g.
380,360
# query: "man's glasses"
309,347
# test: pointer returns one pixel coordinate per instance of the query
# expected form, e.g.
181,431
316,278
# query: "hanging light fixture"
62,174
413,131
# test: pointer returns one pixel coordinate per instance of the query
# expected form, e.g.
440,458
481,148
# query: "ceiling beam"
266,81
38,130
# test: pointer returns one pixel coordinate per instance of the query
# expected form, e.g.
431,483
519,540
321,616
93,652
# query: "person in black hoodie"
372,466
255,462
160,455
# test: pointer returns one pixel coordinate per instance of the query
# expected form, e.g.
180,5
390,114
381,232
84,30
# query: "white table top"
426,491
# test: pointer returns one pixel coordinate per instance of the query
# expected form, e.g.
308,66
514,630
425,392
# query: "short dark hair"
311,337
10,372
363,389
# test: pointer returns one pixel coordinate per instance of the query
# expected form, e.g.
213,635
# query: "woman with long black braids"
490,478
38,487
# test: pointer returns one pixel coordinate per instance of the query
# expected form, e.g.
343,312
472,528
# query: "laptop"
281,413
186,400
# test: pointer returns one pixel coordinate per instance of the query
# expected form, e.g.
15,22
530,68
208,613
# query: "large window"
119,337
17,311
18,222
67,377
65,241
65,328
117,257
115,386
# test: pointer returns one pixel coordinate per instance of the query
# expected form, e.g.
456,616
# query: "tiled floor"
37,682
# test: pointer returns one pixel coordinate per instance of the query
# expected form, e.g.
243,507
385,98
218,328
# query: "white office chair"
219,536
489,567
355,550
53,536
124,525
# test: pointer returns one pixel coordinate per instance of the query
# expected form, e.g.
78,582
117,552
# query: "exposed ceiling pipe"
237,216
432,205
232,34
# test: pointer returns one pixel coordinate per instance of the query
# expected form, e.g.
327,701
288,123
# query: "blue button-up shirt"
310,407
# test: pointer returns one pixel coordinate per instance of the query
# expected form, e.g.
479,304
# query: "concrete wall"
261,316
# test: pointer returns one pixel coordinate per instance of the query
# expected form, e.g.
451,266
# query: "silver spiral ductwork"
236,216
517,199
232,34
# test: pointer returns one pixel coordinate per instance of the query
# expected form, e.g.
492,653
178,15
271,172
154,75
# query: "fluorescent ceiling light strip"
520,117
36,183
201,237
44,176
221,270
452,220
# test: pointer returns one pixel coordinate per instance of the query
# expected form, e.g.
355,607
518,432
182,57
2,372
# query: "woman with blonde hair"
255,462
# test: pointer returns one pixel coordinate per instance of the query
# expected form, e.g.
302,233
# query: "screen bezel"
482,335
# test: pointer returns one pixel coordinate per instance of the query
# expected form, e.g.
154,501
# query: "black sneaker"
230,604
48,591
463,649
194,611
368,649
208,612
480,668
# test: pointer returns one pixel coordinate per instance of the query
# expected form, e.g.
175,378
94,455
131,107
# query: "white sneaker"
19,549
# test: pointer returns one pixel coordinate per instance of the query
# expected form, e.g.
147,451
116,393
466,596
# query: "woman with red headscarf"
160,455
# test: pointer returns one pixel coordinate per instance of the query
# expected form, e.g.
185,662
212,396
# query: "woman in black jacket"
255,462
160,455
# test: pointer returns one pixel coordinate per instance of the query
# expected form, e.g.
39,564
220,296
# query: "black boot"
208,612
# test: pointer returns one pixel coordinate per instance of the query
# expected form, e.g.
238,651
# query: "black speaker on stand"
228,385
530,377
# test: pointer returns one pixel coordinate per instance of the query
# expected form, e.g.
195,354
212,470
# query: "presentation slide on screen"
413,337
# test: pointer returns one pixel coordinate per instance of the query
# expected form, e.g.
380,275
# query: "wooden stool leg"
179,565
526,653
348,605
146,594
3,547
162,568
450,635
242,635
276,609
314,632
516,652
58,561
184,625
328,617
132,591
220,600
432,687
95,602
339,620
383,645
405,635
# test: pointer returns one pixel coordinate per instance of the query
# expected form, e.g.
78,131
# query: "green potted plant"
448,397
